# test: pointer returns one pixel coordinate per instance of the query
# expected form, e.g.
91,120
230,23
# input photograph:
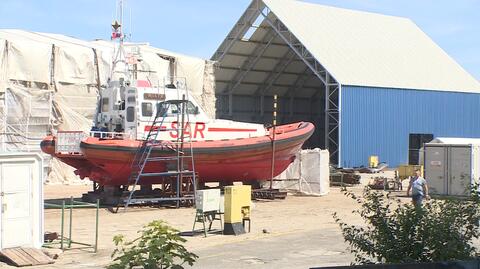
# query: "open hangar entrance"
367,81
261,57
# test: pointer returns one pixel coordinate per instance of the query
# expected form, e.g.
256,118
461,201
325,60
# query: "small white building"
452,165
21,199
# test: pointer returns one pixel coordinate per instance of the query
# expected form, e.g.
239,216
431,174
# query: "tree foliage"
396,232
158,246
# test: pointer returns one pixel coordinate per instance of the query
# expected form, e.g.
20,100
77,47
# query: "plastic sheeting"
309,174
49,82
207,97
27,116
80,98
60,173
157,66
28,63
67,118
77,65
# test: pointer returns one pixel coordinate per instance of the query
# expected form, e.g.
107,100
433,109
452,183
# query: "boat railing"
111,135
69,141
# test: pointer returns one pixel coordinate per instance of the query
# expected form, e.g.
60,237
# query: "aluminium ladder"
182,154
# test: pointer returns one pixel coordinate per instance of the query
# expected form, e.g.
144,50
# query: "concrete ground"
298,232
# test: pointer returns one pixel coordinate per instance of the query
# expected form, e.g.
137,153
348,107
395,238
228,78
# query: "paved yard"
300,233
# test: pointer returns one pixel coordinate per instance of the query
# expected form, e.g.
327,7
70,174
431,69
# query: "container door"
16,208
460,176
436,169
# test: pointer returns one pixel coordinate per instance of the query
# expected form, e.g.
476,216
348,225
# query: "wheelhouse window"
147,109
105,102
130,114
166,109
131,99
191,108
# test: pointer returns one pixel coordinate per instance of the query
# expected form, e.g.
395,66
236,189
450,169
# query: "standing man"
419,188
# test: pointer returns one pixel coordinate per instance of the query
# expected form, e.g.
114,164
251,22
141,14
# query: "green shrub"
395,232
158,246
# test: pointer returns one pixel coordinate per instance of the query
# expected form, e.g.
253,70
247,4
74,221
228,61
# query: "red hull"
108,161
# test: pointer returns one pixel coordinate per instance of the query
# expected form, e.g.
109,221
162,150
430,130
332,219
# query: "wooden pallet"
25,256
269,194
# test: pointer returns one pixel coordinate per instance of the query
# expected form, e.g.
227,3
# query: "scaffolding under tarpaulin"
49,82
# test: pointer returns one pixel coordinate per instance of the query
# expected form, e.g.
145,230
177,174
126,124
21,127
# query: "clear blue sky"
197,27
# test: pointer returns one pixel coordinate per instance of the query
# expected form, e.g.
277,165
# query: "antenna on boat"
119,55
130,24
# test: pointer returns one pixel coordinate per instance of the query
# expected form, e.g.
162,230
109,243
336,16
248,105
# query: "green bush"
395,232
158,246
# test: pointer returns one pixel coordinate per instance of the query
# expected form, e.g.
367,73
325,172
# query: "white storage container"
208,200
21,200
308,174
452,166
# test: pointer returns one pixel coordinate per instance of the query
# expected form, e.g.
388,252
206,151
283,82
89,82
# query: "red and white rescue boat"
108,161
223,150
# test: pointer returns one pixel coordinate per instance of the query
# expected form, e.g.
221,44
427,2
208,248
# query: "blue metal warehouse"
366,80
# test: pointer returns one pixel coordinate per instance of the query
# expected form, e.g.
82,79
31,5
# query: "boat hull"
108,162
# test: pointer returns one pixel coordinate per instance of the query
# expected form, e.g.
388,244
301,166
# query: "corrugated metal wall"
378,121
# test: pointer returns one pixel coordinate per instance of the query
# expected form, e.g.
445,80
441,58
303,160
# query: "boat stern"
48,145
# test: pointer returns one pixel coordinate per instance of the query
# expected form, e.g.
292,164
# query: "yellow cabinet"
237,208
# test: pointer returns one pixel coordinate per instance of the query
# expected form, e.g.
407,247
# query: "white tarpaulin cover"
77,65
26,62
50,82
309,174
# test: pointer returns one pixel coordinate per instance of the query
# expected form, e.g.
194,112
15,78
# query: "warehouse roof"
359,48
